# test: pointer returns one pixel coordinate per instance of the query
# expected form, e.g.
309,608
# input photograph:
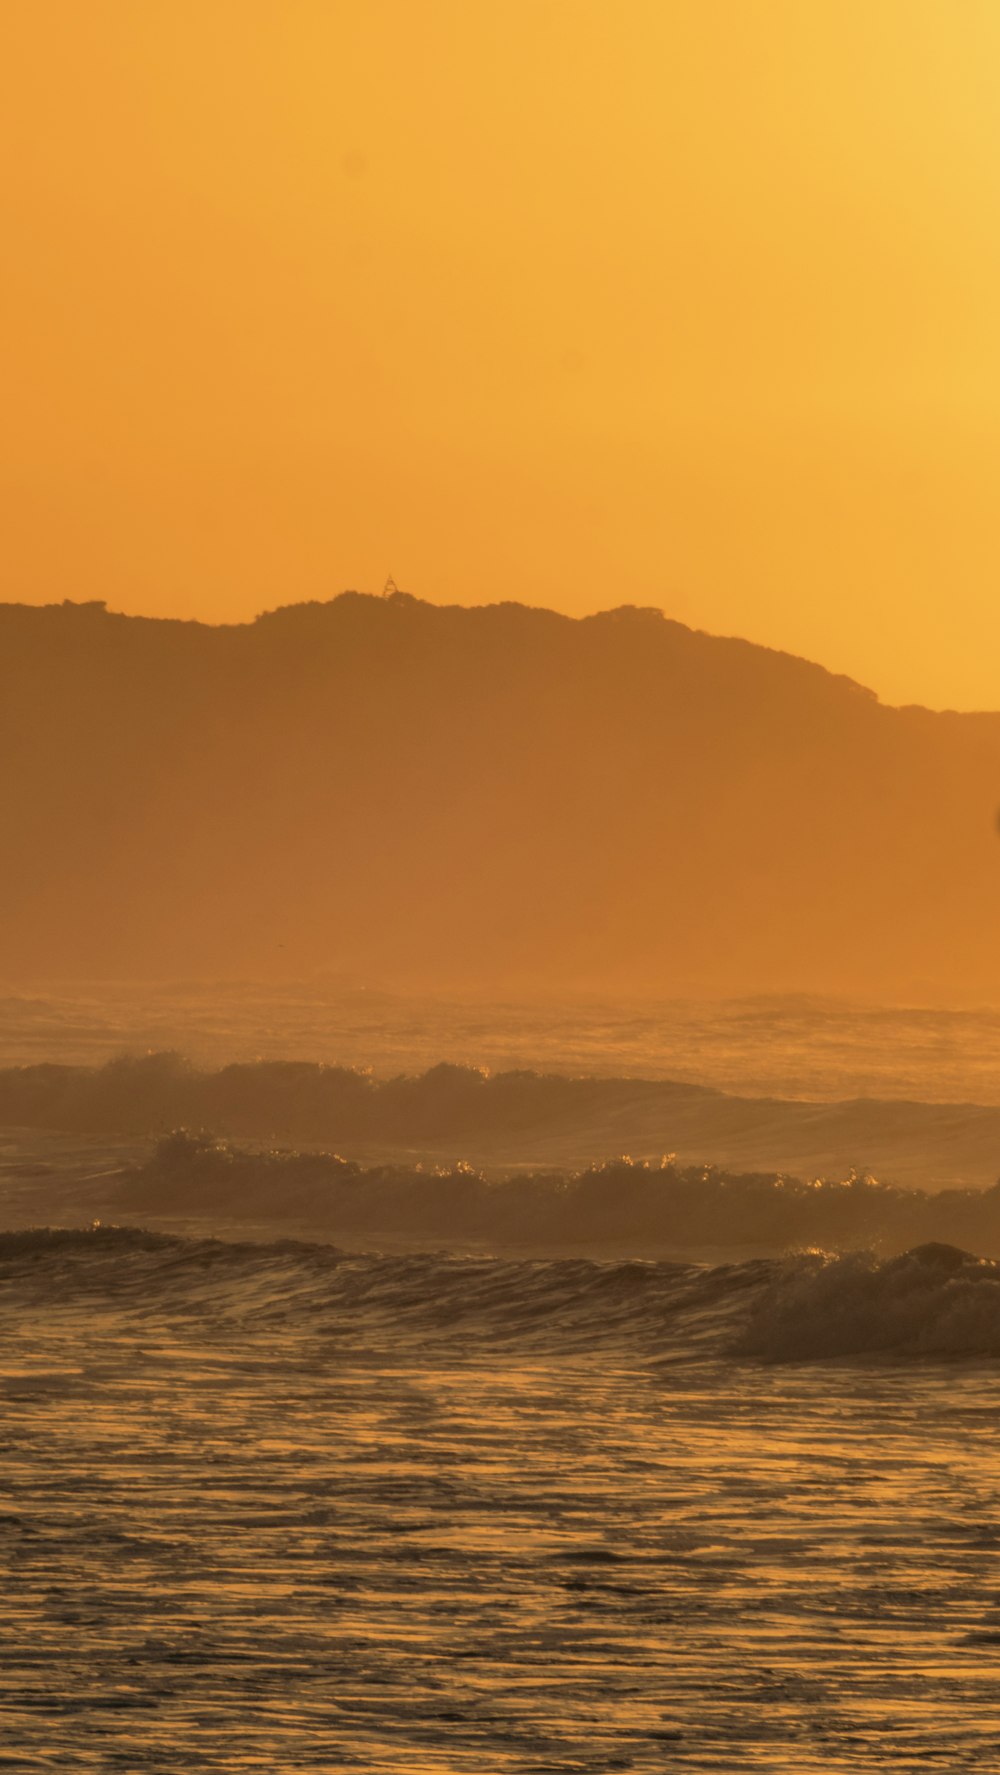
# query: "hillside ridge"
468,795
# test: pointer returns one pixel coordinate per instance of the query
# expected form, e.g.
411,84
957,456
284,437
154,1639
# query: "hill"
495,794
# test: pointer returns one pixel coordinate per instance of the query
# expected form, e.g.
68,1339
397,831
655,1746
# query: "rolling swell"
558,1304
934,1300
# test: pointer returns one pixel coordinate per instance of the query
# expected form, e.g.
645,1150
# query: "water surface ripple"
290,1510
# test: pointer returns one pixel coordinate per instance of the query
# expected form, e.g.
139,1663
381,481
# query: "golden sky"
693,303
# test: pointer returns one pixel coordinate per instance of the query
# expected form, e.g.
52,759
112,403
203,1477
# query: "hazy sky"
680,302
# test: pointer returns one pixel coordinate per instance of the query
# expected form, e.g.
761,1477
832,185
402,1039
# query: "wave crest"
649,1205
933,1300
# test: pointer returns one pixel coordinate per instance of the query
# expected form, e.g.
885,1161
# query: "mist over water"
804,1087
773,1045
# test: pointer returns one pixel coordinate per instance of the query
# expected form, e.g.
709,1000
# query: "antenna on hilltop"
390,588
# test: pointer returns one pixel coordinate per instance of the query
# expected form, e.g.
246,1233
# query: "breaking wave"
644,1204
304,1100
932,1301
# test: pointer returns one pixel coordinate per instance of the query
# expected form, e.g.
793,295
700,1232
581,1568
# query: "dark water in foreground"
282,1508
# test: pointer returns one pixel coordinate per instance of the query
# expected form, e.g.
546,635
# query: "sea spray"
644,1204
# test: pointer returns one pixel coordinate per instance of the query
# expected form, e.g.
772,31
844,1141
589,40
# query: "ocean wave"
932,1301
306,1100
505,1120
646,1204
559,1304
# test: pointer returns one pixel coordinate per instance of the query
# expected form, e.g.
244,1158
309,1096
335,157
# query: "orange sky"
679,302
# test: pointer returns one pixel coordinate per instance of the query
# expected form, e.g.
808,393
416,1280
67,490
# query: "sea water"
274,1505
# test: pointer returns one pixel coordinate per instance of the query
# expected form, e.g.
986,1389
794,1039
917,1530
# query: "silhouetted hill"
487,794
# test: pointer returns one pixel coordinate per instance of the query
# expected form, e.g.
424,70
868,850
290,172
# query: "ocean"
315,1463
274,1506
